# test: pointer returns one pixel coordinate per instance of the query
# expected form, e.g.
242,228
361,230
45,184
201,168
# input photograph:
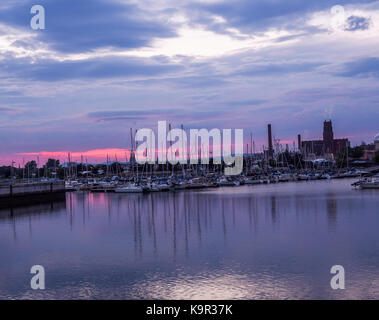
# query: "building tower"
328,137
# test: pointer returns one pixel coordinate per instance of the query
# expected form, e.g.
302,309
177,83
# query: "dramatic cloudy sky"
103,66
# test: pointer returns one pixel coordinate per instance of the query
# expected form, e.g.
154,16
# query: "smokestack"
270,149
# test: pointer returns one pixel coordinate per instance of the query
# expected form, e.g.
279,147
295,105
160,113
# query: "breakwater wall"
13,193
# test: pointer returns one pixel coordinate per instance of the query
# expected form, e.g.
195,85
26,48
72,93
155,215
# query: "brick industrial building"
327,146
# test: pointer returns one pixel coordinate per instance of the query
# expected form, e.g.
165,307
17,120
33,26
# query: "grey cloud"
277,68
363,68
355,23
96,68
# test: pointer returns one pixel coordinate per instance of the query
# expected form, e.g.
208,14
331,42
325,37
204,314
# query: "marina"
150,183
201,168
44,189
126,230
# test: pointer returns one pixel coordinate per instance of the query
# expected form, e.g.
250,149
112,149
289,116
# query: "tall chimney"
299,142
270,149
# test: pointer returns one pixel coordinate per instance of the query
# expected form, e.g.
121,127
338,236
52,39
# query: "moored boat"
223,182
131,188
368,183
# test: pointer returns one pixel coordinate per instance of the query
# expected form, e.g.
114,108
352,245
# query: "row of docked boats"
143,186
176,183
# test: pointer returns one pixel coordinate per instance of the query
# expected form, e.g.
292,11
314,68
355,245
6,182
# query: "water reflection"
331,209
13,215
275,241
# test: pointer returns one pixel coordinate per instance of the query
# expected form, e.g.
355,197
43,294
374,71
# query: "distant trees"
31,167
52,169
356,152
5,172
52,164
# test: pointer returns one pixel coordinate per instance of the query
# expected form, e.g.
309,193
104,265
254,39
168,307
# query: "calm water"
251,242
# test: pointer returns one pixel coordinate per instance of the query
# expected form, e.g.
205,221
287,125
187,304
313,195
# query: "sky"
101,67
